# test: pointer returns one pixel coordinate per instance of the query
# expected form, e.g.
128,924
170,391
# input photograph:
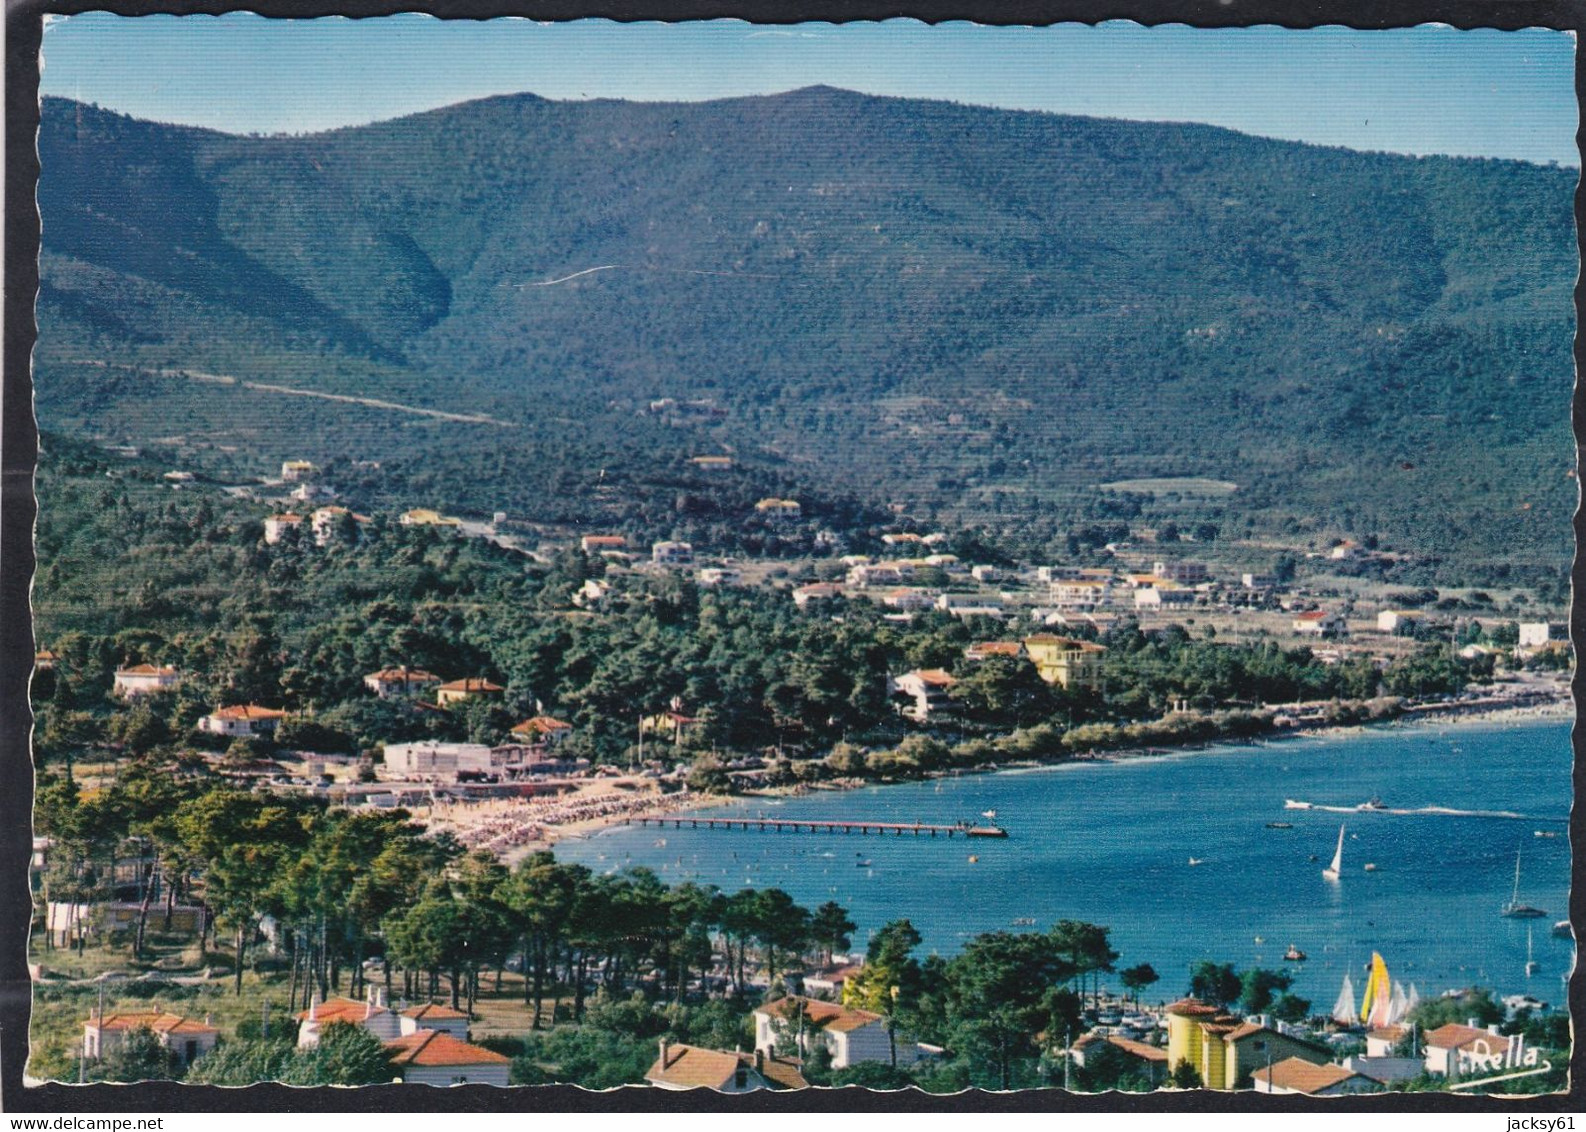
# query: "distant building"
242,721
1539,634
1182,573
1344,551
1398,621
928,689
713,576
816,592
430,1016
296,471
1462,1051
542,729
1080,594
694,1067
1067,661
371,1014
277,526
903,538
970,605
1224,1048
468,688
143,679
672,554
1320,623
711,463
424,517
851,1035
1166,595
907,598
592,594
329,522
985,650
1148,1060
401,681
433,761
1295,1075
865,575
781,510
1260,581
184,1037
985,573
594,544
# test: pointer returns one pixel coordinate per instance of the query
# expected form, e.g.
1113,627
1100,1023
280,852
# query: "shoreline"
1558,709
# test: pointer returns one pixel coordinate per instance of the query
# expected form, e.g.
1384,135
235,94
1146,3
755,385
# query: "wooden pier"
805,825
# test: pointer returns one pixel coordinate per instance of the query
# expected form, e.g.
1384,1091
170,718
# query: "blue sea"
1111,843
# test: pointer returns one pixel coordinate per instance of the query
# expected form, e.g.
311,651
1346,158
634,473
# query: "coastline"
1557,709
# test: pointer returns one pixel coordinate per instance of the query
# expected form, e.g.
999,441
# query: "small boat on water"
1544,833
1197,861
1370,868
1294,955
1331,871
1291,804
862,864
1280,825
1373,803
1515,910
1531,965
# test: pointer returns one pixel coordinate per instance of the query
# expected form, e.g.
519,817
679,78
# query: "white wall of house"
446,1075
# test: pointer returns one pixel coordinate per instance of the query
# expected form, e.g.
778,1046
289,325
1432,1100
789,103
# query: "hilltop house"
277,526
1182,573
985,650
779,510
143,679
711,463
907,598
1225,1048
542,730
186,1039
815,592
1539,634
851,1035
400,681
1295,1075
721,576
1163,595
468,688
296,471
1067,661
1398,621
424,517
672,554
927,688
594,544
1080,593
328,523
1320,623
242,721
971,605
692,1067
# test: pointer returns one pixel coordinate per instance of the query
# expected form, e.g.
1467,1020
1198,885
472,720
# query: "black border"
18,451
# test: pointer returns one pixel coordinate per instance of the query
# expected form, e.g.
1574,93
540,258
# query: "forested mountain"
982,313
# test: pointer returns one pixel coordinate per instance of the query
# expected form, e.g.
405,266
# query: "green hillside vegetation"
981,314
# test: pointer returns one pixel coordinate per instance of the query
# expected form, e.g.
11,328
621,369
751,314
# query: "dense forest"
984,316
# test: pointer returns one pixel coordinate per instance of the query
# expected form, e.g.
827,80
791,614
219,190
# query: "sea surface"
1111,843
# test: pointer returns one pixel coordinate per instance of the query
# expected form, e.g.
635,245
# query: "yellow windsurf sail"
1377,1003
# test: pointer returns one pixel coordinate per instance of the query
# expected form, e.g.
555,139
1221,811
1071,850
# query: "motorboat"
1294,955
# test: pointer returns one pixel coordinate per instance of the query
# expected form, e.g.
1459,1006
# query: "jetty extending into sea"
805,825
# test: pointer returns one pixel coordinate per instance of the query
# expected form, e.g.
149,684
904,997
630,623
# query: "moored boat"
985,831
1294,955
1515,910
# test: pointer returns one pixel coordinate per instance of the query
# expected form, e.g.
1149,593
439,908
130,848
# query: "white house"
242,721
672,553
1320,623
1080,593
277,526
400,681
1398,620
1183,573
864,575
327,523
296,471
1465,1051
434,1057
779,510
905,597
720,576
851,1035
143,679
1259,581
1537,634
542,730
681,1067
1164,596
803,596
928,688
432,1016
432,760
186,1038
970,605
372,1014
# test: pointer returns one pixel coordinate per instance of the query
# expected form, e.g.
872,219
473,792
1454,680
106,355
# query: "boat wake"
1420,811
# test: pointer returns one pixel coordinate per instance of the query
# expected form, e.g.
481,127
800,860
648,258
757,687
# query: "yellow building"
1224,1048
460,691
424,517
1066,661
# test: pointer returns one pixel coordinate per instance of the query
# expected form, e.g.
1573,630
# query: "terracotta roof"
781,1073
1193,1008
1304,1076
932,676
404,675
691,1067
341,1010
472,684
1313,615
1066,642
146,670
161,1022
435,1047
1140,1049
246,711
603,540
1386,1033
1457,1036
994,648
433,1010
542,725
828,1015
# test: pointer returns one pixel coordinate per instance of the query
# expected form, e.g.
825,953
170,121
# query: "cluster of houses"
1067,662
1227,1050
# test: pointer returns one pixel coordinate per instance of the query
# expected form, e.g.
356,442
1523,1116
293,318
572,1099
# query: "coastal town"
368,854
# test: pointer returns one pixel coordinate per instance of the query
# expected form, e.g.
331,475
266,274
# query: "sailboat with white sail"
1331,871
1514,909
1344,1008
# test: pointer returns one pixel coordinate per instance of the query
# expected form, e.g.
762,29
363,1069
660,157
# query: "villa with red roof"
1320,623
371,1014
1457,1050
400,681
434,1057
542,729
143,679
851,1035
1295,1075
433,1016
469,688
242,721
682,1067
928,689
187,1039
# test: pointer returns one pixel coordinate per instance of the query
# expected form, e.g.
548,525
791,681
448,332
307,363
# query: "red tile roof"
146,670
161,1022
934,676
1304,1076
435,1047
1193,1008
341,1010
828,1015
430,1010
404,675
472,684
1457,1036
691,1067
542,725
246,711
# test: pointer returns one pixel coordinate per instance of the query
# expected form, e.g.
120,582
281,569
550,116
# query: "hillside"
981,313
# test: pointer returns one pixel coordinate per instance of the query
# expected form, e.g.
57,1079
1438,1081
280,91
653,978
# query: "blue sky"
1418,90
